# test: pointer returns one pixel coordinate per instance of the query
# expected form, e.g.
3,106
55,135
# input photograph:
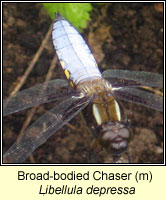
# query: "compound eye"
124,133
109,136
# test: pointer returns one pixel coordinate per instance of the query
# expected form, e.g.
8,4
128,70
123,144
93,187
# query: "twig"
33,62
32,112
155,91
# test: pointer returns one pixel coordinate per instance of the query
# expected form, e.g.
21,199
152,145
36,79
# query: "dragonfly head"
114,138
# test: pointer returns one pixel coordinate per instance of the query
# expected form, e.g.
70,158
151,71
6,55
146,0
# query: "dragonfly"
85,85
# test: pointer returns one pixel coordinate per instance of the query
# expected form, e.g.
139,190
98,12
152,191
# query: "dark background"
121,36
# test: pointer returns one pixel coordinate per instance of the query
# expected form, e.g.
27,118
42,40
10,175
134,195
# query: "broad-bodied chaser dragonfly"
85,85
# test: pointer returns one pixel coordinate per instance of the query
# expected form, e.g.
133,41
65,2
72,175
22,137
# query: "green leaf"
76,13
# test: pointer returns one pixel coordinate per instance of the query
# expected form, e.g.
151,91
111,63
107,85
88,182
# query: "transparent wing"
134,95
37,95
126,78
43,128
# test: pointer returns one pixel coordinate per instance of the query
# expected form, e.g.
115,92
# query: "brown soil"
121,36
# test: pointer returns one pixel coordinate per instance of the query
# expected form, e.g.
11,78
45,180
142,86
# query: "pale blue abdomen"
73,53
